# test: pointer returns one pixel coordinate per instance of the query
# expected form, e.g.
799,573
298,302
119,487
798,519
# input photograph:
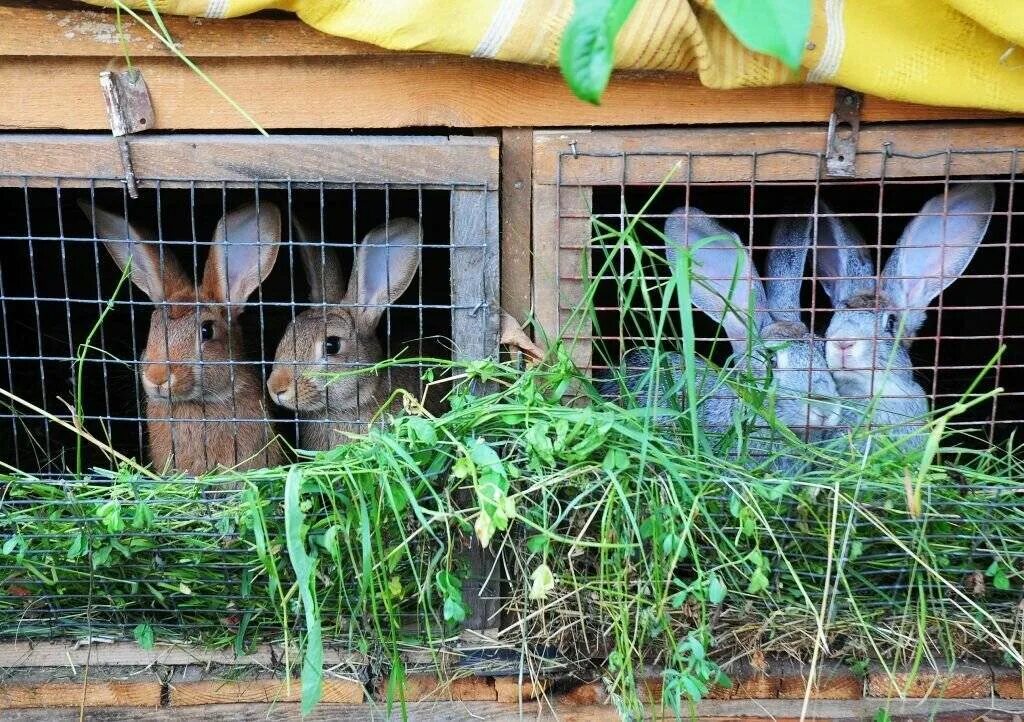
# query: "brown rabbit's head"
193,335
340,335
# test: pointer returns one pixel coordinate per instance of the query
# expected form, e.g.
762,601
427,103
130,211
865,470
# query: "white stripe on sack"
498,31
216,8
835,43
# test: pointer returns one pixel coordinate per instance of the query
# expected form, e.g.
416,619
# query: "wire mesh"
953,340
227,283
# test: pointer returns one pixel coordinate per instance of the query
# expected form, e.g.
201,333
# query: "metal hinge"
129,110
843,128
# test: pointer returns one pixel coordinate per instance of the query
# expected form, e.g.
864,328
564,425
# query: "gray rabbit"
762,321
876,318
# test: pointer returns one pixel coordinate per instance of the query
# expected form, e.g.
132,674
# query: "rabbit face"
339,336
193,333
187,353
861,341
317,345
877,316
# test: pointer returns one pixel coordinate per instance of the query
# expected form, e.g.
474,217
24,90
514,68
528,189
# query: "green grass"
629,542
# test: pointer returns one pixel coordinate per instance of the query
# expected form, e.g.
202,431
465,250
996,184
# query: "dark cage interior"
56,279
966,325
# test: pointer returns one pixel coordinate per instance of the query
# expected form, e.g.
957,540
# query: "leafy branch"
778,28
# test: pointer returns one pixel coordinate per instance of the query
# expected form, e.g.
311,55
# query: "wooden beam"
207,692
436,160
608,157
516,207
129,654
57,30
403,90
837,711
102,693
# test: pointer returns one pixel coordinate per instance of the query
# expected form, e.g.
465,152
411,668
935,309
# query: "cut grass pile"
622,545
622,542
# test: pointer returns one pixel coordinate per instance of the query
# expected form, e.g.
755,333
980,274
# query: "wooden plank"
777,710
403,90
608,157
55,29
426,687
561,223
516,210
104,693
130,654
475,324
375,160
475,273
185,694
961,682
1008,683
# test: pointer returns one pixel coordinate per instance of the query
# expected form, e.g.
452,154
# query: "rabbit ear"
385,265
725,286
784,268
936,247
841,260
155,270
322,266
242,255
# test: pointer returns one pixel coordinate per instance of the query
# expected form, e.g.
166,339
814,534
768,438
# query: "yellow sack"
938,52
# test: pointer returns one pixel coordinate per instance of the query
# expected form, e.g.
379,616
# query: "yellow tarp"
939,52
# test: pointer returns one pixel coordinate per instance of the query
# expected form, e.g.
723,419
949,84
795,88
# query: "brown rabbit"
204,406
340,336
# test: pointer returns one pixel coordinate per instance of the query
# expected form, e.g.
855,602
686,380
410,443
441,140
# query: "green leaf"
716,590
1001,581
774,27
303,564
143,517
588,45
543,582
144,636
537,543
692,688
758,582
454,610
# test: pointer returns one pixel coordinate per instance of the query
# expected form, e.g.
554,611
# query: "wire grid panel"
952,300
279,259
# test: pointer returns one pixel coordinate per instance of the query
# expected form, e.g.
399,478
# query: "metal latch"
129,110
843,128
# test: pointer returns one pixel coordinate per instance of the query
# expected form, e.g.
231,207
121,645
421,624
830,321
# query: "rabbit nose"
159,383
280,386
844,344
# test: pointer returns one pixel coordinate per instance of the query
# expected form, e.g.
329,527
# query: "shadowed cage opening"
57,277
748,194
57,302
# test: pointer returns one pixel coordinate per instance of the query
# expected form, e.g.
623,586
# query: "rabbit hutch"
385,412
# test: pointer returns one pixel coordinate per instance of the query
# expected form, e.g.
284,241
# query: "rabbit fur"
727,288
204,406
875,318
339,335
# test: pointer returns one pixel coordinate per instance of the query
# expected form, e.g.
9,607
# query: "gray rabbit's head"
876,318
761,320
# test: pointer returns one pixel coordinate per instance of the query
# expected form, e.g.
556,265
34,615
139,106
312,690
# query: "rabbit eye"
206,330
332,345
890,325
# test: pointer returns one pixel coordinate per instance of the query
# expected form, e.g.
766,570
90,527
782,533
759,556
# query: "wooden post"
561,240
475,325
516,202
